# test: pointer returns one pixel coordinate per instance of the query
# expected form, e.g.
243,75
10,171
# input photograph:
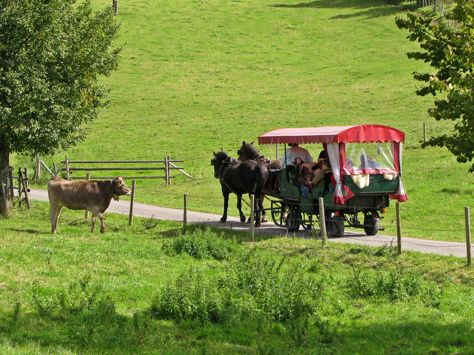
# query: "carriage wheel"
371,224
279,212
293,220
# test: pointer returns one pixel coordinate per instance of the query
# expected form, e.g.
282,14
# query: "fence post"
322,221
467,215
66,160
399,228
185,213
26,183
115,7
424,132
167,171
276,151
132,198
37,175
252,217
88,177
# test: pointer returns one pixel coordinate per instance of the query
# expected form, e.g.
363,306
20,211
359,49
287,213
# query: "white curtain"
333,153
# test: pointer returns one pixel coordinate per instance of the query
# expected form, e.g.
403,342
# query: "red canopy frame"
333,134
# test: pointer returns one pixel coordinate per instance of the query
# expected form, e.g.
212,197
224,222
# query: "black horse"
240,178
248,152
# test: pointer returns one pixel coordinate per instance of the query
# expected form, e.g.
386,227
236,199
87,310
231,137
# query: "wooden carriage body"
345,196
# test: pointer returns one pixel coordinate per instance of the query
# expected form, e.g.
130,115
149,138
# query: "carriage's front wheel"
279,213
293,220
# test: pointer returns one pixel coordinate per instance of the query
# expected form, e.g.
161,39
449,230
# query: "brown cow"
93,196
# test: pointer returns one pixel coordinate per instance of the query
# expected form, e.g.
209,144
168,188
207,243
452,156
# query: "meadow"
150,289
203,75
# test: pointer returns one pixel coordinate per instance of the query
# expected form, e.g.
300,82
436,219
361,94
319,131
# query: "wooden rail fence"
169,165
22,187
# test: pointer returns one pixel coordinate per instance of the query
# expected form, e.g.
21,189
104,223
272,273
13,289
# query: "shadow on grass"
142,334
28,230
369,9
412,337
237,231
456,191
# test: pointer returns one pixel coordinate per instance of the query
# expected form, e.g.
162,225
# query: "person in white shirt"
294,152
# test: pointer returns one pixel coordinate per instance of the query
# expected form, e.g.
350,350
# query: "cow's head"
119,188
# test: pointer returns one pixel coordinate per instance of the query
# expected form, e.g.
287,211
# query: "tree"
447,44
52,55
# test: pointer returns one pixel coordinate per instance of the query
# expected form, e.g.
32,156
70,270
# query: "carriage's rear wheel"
371,224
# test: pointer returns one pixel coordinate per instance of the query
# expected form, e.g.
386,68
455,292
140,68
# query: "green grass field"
147,289
197,76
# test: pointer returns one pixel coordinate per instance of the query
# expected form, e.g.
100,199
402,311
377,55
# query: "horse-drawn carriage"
364,173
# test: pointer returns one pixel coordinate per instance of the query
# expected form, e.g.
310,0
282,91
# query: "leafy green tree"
52,55
447,44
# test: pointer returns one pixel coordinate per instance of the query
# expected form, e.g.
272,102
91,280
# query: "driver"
294,153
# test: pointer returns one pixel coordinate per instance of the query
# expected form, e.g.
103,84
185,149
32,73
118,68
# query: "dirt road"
150,211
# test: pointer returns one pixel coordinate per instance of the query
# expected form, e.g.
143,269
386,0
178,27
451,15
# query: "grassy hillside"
197,76
148,290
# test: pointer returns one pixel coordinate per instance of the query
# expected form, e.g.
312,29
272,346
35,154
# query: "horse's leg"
239,207
225,194
260,205
250,216
256,208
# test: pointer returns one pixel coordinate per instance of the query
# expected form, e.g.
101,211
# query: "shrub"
88,316
190,297
201,245
396,285
281,294
253,287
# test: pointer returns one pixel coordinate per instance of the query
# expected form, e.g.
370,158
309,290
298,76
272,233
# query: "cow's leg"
102,223
225,194
239,207
93,219
55,211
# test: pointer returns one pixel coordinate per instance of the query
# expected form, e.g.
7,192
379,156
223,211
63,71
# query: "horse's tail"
262,177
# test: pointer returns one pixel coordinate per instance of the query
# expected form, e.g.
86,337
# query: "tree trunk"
4,183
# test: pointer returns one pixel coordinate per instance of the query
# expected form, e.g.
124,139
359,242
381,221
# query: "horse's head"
217,161
248,151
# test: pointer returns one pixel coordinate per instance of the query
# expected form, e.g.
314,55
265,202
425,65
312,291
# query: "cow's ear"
214,153
243,142
251,143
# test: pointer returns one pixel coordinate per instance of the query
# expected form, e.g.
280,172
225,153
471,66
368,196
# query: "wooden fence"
88,166
22,187
438,5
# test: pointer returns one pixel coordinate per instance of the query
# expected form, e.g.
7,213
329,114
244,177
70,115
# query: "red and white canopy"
333,134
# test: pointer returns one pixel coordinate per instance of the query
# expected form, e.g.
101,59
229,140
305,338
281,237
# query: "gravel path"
150,211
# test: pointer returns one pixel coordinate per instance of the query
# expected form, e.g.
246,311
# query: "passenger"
295,152
323,166
366,162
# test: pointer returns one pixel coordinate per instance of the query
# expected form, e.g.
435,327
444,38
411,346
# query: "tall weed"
395,285
252,287
201,244
282,293
88,316
190,297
